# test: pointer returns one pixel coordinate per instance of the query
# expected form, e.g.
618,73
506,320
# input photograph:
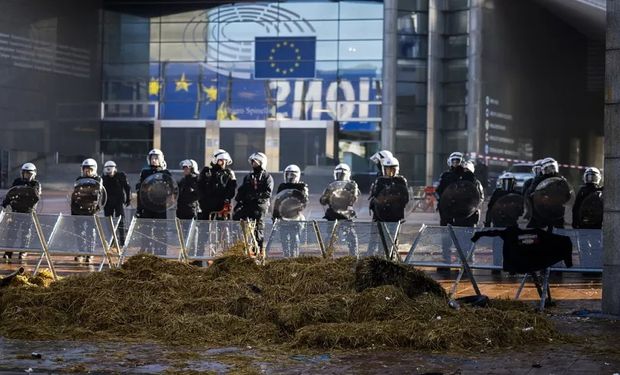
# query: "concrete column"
611,221
212,139
474,78
390,67
272,144
157,134
433,90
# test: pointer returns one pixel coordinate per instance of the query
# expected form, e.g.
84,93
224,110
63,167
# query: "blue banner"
284,57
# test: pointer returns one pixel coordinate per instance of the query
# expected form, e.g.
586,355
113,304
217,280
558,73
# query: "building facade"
307,82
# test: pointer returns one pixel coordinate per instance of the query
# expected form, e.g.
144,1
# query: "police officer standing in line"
591,184
156,164
527,185
549,169
79,208
377,159
28,178
253,196
118,193
342,173
456,173
290,232
217,184
187,202
507,186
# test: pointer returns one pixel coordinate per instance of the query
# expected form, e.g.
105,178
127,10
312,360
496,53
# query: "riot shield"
290,204
460,200
590,214
22,198
391,203
88,197
341,197
549,198
158,192
507,210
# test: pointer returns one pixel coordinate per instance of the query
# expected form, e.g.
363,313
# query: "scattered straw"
305,302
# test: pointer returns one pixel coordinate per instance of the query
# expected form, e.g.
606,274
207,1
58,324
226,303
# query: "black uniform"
85,230
290,230
346,229
187,202
217,188
22,227
497,194
527,185
379,185
450,177
253,200
584,191
141,211
118,194
536,220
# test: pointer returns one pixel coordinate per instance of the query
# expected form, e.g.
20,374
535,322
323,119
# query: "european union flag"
284,57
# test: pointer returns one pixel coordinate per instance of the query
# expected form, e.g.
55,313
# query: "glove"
475,237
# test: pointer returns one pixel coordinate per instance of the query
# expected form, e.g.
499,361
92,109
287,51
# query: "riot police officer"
24,204
527,186
591,185
383,183
346,213
217,184
290,228
156,164
86,208
549,169
456,173
377,159
187,202
253,196
118,193
507,186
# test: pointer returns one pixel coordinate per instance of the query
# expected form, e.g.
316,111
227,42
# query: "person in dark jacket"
591,185
527,185
118,194
187,202
550,169
346,230
507,186
156,242
291,225
377,159
23,204
456,173
86,233
217,184
253,197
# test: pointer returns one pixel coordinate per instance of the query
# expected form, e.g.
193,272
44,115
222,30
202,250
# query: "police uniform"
253,200
217,188
584,191
290,231
118,194
536,220
453,176
23,207
141,211
187,202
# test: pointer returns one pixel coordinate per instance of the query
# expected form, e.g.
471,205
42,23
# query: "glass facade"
411,88
294,61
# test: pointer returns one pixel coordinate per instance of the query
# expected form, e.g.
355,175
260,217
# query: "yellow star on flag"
182,84
211,93
154,87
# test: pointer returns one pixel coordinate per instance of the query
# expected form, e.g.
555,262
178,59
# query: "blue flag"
284,57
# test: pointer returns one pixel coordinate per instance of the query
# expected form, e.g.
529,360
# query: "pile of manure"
303,302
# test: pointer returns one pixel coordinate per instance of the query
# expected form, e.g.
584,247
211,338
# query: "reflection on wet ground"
591,349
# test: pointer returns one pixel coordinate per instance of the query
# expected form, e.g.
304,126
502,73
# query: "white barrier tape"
572,166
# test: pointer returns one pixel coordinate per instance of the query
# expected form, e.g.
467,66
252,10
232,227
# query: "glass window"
183,143
361,10
412,23
181,52
360,50
456,46
127,143
181,32
124,90
323,30
455,70
457,4
410,117
412,70
457,22
190,16
247,30
128,71
310,10
412,46
409,93
413,5
130,52
241,143
360,68
455,93
110,17
454,117
367,29
303,147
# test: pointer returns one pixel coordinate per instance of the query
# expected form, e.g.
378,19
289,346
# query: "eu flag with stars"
284,57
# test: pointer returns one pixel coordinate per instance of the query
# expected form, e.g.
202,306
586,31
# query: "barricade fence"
189,240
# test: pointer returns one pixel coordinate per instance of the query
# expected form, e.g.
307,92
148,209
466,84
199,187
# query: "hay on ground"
306,302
